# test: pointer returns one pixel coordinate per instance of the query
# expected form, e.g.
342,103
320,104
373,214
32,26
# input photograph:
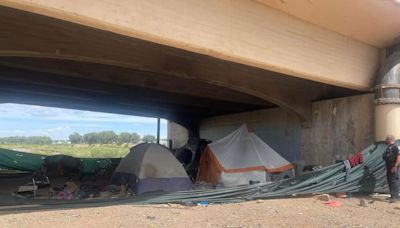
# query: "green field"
80,150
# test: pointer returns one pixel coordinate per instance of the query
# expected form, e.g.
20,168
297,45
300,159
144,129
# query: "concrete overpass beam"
241,31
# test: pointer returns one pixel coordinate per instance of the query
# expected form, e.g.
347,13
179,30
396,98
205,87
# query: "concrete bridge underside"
47,61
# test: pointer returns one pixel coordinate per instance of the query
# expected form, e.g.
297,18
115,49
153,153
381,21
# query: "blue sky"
58,123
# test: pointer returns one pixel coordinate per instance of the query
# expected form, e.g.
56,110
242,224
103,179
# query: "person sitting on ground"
391,156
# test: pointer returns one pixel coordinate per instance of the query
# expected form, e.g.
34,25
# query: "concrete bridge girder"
53,39
39,43
230,55
242,31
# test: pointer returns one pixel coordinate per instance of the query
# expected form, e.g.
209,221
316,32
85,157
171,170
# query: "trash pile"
70,190
367,177
153,169
74,190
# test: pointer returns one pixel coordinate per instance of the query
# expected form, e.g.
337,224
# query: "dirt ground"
295,212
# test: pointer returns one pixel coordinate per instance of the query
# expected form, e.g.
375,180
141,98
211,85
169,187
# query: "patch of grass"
80,150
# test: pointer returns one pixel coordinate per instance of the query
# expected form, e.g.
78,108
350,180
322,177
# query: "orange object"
334,203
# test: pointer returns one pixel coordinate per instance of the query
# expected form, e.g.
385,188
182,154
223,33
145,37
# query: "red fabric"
356,159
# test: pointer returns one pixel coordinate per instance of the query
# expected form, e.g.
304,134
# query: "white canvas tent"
150,167
239,158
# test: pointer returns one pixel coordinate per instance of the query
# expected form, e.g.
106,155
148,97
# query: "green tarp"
22,161
90,165
367,177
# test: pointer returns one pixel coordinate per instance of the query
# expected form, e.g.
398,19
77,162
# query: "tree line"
109,137
39,140
103,137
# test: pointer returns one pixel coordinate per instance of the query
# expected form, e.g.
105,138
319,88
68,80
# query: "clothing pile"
356,159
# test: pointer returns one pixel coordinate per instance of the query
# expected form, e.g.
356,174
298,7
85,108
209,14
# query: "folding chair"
39,179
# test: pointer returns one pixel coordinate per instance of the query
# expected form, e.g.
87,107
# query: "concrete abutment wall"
339,127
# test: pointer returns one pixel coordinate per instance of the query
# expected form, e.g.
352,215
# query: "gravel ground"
295,212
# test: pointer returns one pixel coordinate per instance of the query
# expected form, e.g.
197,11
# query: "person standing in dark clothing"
391,156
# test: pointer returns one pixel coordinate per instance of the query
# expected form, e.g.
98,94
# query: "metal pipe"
387,96
387,89
158,130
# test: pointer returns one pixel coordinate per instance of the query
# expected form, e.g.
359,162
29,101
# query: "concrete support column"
177,135
387,96
387,121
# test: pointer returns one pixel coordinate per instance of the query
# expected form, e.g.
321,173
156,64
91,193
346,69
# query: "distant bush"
149,139
124,138
135,138
105,137
91,138
38,140
75,138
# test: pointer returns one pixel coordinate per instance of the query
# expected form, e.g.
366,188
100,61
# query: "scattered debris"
105,194
151,217
333,203
203,203
362,203
324,197
72,186
65,194
380,196
270,209
232,226
27,188
341,195
311,168
251,182
173,205
189,203
18,195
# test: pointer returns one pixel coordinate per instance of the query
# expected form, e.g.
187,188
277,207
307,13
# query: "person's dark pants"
393,182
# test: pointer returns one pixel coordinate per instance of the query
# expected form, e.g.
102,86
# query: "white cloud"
59,129
58,123
59,114
18,131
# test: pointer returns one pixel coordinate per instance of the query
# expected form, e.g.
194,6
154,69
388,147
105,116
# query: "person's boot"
394,199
